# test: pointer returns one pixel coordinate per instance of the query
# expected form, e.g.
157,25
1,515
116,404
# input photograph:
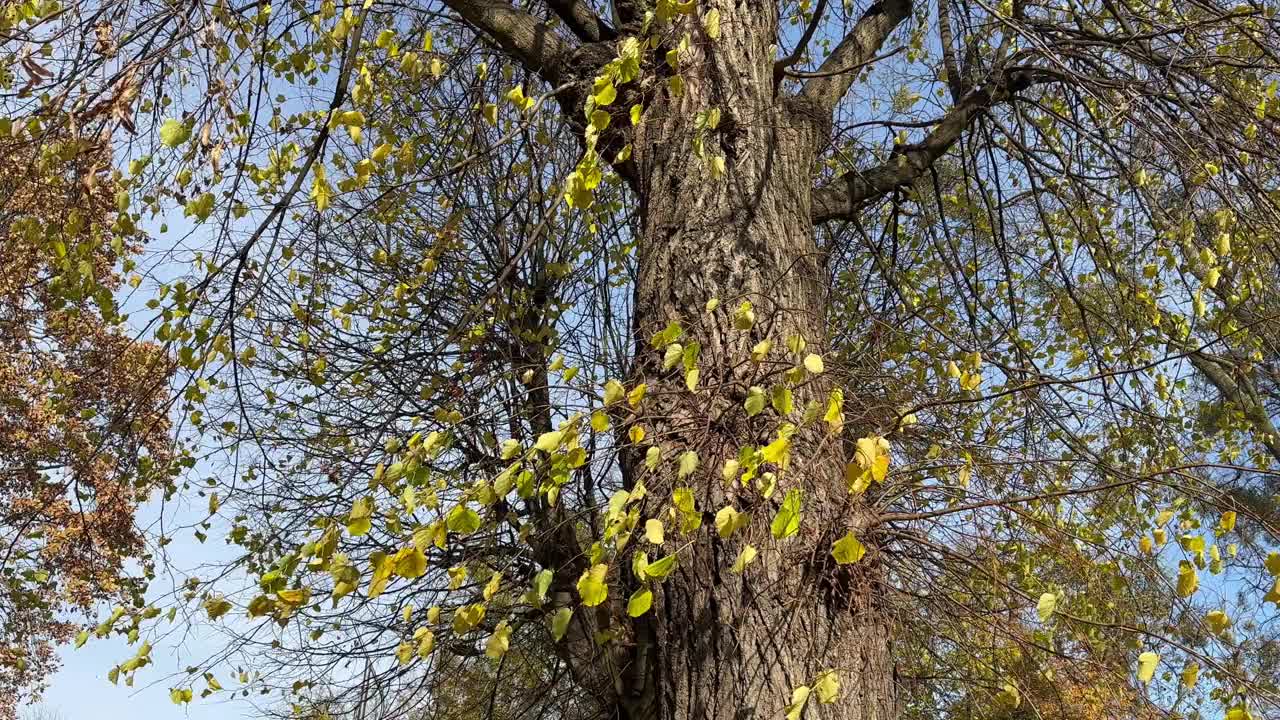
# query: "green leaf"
640,602
541,584
780,395
755,401
787,521
173,133
560,623
659,569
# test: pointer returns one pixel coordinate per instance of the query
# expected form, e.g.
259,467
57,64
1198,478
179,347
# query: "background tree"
84,434
758,358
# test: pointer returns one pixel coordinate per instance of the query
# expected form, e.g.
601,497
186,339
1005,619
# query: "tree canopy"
674,359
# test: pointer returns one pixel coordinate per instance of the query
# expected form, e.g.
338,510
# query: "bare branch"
844,197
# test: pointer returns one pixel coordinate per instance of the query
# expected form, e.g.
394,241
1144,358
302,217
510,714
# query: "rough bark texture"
719,644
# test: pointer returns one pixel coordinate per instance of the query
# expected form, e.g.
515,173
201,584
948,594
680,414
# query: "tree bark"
721,645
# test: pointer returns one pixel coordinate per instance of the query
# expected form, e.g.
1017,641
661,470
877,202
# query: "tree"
84,434
758,358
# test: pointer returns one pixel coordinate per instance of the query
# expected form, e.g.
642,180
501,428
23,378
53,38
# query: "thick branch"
1243,396
582,20
955,81
526,38
853,52
844,197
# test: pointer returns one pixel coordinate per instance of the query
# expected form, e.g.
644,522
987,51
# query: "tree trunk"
722,645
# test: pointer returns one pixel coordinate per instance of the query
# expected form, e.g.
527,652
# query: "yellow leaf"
729,520
799,697
653,531
1188,579
549,442
613,392
659,569
404,653
636,395
491,588
827,686
1218,621
745,558
499,642
1190,674
1147,663
760,350
1273,564
834,416
358,522
410,562
591,586
297,596
1045,607
467,618
426,642
688,464
813,363
873,456
847,550
711,23
1227,522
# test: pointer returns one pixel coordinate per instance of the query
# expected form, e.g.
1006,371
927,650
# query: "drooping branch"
836,74
582,20
845,196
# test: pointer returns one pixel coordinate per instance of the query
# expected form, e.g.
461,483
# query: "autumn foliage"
83,425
